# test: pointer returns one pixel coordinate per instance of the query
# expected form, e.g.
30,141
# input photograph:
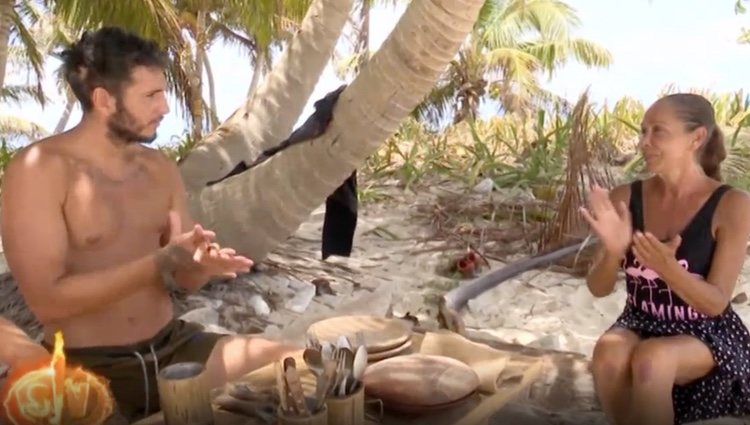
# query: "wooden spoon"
314,360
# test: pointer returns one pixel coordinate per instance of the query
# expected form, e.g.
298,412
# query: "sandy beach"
395,269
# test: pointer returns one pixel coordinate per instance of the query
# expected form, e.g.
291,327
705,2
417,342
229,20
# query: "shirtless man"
96,231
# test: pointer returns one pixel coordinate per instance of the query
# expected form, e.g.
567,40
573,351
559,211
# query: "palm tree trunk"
260,60
363,38
257,210
70,100
197,109
211,90
274,109
6,9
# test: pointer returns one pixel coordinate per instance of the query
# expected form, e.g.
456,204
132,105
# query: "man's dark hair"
106,58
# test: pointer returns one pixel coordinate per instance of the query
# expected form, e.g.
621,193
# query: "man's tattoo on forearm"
170,259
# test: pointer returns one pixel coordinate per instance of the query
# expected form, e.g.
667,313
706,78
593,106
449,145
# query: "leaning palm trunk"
257,210
269,116
6,22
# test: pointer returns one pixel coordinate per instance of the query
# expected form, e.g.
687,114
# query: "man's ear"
102,100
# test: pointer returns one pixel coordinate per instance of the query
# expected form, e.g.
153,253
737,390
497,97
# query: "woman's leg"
610,367
657,365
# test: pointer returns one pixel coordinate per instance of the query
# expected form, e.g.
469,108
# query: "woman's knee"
652,361
612,355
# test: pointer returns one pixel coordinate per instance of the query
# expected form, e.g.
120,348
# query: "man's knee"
237,355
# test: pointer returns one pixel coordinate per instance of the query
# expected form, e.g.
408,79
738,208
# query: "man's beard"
121,126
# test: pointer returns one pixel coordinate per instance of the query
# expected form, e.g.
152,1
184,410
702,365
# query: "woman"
678,352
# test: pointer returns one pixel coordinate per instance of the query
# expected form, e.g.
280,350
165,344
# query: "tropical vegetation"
495,53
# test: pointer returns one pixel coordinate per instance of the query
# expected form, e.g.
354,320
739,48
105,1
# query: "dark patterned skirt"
723,392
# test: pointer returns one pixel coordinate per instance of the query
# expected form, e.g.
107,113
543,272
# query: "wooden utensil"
281,387
314,360
295,386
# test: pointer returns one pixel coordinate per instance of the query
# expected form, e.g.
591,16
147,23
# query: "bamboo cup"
184,395
347,410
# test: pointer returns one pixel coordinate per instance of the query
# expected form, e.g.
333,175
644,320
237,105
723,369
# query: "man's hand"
221,262
194,252
182,250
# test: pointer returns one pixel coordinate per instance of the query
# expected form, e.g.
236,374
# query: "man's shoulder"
42,157
155,157
161,165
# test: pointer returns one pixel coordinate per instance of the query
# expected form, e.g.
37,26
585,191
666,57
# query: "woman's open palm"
612,224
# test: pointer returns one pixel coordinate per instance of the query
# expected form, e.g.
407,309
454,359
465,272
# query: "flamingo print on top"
654,311
646,289
649,293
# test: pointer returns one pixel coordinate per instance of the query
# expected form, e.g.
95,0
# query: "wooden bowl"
402,349
381,334
410,409
420,381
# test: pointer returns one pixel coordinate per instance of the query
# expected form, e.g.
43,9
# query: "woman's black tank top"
646,291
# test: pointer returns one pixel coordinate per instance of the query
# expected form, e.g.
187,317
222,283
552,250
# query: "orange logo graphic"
47,392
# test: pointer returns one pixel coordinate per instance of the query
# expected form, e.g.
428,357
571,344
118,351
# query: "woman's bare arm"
712,295
602,276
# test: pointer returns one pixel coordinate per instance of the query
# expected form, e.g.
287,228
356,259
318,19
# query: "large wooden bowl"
419,381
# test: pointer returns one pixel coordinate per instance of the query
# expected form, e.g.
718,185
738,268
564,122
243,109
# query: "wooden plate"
410,409
404,348
381,334
420,380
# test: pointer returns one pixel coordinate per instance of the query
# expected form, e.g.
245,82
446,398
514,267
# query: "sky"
654,43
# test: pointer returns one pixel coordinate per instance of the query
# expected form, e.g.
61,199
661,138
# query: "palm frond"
22,93
553,54
155,19
439,104
13,128
20,31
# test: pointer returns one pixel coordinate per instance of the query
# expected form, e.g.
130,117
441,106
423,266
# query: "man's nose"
164,107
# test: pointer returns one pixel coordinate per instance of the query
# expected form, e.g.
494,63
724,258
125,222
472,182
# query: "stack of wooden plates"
419,383
384,337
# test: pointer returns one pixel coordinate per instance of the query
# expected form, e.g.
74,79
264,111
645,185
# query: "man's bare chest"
100,213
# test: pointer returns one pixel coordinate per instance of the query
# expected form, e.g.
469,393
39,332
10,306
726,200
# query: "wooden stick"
184,395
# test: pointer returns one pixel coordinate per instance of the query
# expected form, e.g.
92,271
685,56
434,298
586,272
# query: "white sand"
539,308
392,270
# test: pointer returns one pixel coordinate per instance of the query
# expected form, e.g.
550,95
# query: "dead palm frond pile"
587,160
492,224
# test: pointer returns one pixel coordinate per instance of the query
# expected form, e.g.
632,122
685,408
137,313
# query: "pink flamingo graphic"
640,272
686,266
650,276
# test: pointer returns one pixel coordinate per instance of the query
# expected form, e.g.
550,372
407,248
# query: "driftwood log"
452,303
